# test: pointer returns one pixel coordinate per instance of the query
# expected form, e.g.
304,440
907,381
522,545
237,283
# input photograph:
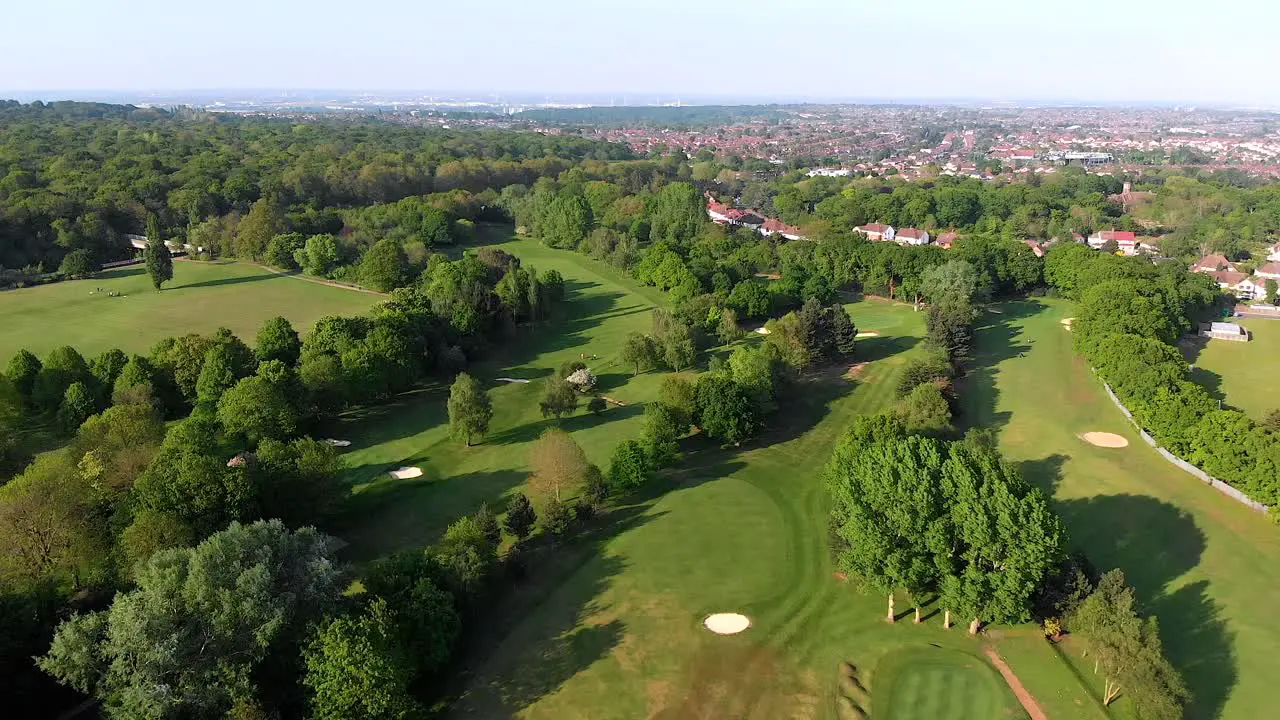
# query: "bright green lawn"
617,633
1205,564
927,682
202,297
1241,374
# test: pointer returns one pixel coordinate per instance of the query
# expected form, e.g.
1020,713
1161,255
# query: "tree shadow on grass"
878,348
1202,651
1209,380
581,420
238,280
548,625
996,338
1155,543
1044,473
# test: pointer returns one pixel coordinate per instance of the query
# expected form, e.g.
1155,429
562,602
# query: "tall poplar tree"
159,262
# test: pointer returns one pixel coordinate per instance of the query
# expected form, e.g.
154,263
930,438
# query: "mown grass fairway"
1203,563
202,297
1241,374
613,628
941,684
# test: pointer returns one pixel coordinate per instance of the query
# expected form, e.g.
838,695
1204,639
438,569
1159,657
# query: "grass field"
942,684
1203,563
1240,374
202,297
613,628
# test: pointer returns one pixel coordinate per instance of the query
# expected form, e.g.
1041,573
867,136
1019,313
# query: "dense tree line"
78,176
1131,315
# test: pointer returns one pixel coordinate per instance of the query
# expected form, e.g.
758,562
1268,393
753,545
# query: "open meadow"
1240,373
202,297
612,627
1201,562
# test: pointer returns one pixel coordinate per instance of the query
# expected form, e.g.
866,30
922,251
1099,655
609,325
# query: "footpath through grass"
614,628
202,297
1241,374
1205,564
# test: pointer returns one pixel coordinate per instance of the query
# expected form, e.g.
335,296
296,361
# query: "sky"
1115,51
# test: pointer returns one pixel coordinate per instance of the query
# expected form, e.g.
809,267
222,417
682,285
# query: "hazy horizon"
1093,52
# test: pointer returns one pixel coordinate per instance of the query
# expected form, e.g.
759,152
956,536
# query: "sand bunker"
868,334
762,330
727,623
405,473
514,380
1066,322
1106,440
339,443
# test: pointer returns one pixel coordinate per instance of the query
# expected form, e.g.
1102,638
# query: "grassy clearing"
613,629
202,297
1203,563
942,684
1240,374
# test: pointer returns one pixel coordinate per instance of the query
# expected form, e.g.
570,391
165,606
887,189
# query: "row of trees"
1131,315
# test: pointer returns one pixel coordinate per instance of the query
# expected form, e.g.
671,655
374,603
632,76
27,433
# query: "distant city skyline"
1091,52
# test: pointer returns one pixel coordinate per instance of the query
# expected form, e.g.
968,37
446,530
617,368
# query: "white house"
876,231
773,226
1269,271
1242,286
1273,253
912,236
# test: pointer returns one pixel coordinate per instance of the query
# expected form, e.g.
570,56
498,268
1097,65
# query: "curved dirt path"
1028,702
320,281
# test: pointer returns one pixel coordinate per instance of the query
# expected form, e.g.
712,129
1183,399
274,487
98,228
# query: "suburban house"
946,240
1035,247
722,214
1268,271
139,242
773,226
1273,253
1122,237
911,236
1213,263
876,231
1242,286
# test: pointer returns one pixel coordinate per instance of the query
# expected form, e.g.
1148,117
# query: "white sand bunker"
727,623
868,334
1066,322
514,380
405,473
339,443
762,330
1106,440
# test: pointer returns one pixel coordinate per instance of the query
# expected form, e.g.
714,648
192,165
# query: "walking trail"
1028,703
321,281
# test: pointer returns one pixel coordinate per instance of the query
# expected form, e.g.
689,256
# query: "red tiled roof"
776,225
872,228
1213,262
1228,277
910,233
1116,235
1271,268
949,236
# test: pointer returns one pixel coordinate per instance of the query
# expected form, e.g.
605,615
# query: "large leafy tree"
558,398
23,369
158,260
385,266
469,409
1005,539
890,513
1127,648
356,668
200,624
725,411
558,463
277,340
629,468
256,408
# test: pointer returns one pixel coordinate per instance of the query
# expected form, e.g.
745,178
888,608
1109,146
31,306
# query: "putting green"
920,683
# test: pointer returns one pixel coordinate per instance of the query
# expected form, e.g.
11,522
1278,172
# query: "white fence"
1203,476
